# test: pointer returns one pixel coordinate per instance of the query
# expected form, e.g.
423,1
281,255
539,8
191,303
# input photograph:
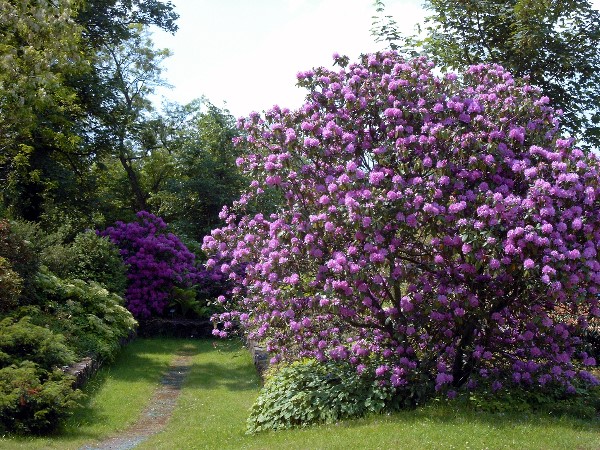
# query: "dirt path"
157,413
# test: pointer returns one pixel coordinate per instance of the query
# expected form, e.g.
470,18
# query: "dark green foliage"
201,158
10,286
92,319
23,341
78,93
87,256
19,253
185,304
109,20
555,44
49,246
308,392
33,400
39,161
34,393
95,258
552,400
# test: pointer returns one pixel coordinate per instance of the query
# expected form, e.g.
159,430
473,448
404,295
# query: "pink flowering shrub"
156,263
433,228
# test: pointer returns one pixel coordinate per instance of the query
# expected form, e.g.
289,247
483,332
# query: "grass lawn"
115,396
222,385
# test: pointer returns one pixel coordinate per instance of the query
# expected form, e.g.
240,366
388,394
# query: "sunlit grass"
222,385
115,396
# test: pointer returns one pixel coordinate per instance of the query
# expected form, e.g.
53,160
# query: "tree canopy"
555,44
437,231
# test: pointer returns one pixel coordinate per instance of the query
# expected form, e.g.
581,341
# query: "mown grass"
115,397
222,385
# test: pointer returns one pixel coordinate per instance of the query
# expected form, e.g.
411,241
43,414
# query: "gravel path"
157,413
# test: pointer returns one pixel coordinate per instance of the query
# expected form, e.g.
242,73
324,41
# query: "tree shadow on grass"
233,377
138,362
503,422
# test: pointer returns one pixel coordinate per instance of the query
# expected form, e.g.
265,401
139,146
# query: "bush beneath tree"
434,225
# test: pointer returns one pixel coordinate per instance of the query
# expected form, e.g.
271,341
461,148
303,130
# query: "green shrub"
24,341
34,393
308,392
552,400
19,253
10,286
33,400
88,256
37,238
96,258
92,319
184,303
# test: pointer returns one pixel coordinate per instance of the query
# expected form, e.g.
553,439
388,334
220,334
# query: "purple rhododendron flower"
416,219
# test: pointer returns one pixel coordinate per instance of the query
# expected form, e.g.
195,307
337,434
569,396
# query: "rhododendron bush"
156,261
437,230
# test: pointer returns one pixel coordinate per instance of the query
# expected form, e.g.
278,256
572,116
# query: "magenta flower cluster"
156,262
213,284
436,229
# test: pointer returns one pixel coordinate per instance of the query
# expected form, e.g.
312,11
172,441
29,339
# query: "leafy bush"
96,258
92,319
156,261
10,286
34,393
34,400
308,392
52,248
185,303
87,256
38,238
24,341
434,223
19,253
585,404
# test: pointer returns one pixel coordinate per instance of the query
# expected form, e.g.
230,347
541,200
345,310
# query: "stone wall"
87,367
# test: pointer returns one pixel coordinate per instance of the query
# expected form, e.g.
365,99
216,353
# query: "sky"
244,55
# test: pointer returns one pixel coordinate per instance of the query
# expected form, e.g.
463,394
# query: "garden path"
157,413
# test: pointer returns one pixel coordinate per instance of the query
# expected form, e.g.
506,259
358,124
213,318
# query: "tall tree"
109,20
69,69
196,140
554,43
39,152
129,72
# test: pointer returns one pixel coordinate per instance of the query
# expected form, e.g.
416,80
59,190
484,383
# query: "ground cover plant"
439,232
308,392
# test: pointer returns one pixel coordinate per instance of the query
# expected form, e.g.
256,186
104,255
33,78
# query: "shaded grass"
222,386
115,396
